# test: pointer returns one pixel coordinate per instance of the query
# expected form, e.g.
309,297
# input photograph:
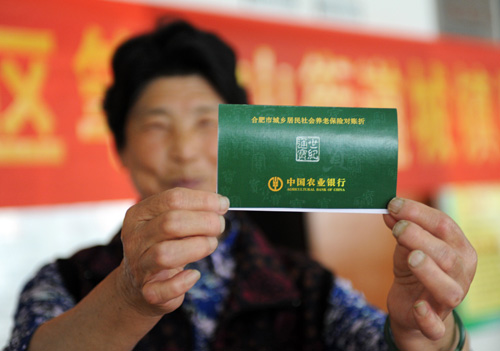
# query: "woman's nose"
185,145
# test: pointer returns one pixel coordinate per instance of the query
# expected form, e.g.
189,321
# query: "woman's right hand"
160,235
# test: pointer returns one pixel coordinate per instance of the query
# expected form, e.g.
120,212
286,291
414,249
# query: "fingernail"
222,224
212,243
416,257
395,205
399,228
421,308
224,203
192,276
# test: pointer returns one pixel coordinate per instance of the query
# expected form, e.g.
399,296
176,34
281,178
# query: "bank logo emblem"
275,184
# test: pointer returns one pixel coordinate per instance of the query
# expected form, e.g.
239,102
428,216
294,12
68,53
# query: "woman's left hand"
434,265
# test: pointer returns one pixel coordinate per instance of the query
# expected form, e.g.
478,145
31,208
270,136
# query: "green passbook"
299,158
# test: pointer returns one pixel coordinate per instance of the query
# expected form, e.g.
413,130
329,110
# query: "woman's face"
171,136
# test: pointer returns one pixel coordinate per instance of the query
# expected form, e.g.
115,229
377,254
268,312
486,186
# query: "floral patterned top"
350,323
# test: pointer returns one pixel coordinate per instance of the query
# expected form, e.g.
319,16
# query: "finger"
445,290
169,293
178,224
175,253
430,219
389,220
181,199
413,237
400,259
429,323
174,224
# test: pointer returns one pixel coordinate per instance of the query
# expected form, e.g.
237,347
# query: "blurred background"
436,61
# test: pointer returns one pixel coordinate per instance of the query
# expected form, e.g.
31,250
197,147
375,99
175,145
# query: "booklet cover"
299,158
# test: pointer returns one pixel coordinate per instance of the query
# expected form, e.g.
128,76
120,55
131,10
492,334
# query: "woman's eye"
152,126
207,122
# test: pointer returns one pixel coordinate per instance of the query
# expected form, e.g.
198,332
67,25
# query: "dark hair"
174,48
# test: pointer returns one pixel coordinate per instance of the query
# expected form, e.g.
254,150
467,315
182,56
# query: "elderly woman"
186,274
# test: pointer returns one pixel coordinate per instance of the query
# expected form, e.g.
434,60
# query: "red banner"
54,67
